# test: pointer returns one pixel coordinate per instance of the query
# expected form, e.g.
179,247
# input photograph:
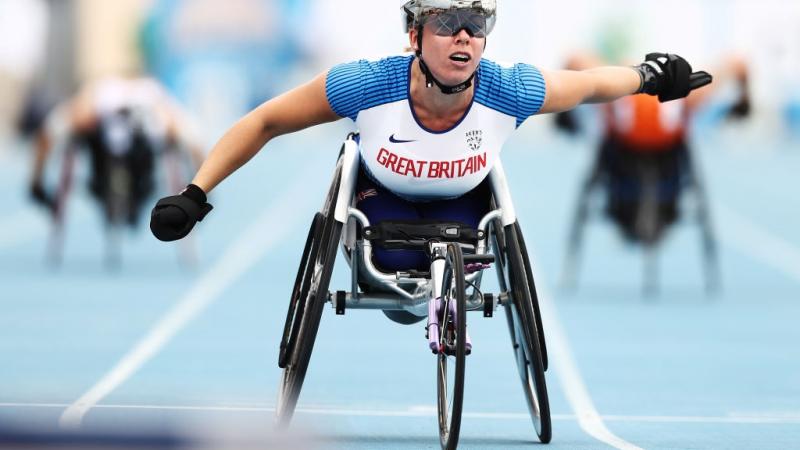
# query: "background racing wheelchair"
646,180
444,294
123,152
644,166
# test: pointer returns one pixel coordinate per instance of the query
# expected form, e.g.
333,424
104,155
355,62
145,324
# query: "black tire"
300,290
117,205
452,361
708,241
534,295
55,246
515,279
307,302
117,195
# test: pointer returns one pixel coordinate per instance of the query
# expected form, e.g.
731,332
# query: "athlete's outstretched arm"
668,76
65,121
174,217
300,108
567,89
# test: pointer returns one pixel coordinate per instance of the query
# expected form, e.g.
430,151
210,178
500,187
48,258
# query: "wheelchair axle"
341,301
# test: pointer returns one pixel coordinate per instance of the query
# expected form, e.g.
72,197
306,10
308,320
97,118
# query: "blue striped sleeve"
517,91
345,89
360,85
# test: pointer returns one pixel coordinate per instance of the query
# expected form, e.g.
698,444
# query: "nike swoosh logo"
398,141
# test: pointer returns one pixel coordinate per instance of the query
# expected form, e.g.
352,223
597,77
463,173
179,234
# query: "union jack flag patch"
367,194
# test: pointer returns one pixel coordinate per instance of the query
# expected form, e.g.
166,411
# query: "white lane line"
706,419
21,226
560,355
260,236
753,240
431,412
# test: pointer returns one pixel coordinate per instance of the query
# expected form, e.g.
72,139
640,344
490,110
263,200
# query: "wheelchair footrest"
475,263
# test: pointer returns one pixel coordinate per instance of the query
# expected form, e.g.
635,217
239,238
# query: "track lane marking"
752,239
560,355
247,250
430,411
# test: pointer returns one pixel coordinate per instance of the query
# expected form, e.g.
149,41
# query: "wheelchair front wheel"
300,291
452,348
523,327
305,313
307,302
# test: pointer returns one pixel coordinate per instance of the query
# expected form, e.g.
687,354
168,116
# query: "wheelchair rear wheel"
452,348
308,299
515,279
534,297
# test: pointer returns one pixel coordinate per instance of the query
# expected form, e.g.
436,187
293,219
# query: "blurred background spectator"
220,59
23,31
223,58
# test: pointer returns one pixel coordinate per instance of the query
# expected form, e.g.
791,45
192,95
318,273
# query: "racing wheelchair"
444,293
644,193
122,176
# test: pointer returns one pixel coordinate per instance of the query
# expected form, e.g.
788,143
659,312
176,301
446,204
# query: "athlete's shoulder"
494,76
395,62
363,84
514,89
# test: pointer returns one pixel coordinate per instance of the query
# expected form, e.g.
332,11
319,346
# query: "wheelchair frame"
595,181
115,205
359,251
411,292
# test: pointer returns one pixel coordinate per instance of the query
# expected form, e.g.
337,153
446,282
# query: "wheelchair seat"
643,189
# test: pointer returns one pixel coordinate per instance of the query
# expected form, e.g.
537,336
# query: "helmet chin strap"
430,80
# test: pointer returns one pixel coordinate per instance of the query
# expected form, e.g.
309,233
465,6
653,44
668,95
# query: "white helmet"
414,12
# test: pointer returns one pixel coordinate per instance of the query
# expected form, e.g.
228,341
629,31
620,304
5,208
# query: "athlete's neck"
436,110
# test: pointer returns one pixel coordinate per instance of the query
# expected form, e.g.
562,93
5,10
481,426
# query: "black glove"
566,121
669,76
174,217
741,108
42,197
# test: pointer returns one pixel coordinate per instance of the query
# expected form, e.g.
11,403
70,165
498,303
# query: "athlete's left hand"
40,196
669,76
174,217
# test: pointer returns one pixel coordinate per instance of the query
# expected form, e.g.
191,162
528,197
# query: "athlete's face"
452,59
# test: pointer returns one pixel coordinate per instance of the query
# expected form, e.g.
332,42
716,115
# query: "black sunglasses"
451,22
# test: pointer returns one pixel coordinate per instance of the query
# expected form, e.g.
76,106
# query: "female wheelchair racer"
456,255
431,126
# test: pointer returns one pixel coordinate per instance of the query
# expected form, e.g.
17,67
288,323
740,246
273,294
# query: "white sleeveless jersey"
417,163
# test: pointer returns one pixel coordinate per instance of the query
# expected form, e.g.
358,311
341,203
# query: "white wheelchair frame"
418,294
413,293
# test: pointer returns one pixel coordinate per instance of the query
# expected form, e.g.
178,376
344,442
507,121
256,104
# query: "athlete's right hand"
42,197
566,122
174,217
669,76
